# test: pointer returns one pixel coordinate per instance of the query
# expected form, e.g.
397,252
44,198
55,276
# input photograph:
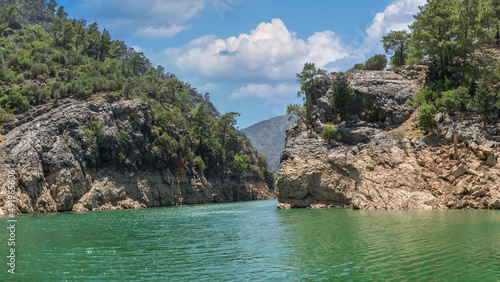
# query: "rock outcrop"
61,166
380,161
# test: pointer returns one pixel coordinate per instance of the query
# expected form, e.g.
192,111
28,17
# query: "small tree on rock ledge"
343,95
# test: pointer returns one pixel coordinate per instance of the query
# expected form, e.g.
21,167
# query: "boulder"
459,171
323,103
496,204
492,160
356,135
480,193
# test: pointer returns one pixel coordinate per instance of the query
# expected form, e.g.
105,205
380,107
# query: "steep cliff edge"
379,160
63,163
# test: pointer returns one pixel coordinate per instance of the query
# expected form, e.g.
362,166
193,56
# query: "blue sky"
245,53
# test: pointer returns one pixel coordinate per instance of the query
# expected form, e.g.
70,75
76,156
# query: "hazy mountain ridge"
268,137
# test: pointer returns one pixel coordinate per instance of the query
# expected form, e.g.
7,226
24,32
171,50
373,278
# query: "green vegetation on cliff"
307,78
458,40
46,57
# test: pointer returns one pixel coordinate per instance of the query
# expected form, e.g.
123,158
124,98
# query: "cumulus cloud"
397,16
265,91
269,52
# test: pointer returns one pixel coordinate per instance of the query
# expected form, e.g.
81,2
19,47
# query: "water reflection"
399,245
255,241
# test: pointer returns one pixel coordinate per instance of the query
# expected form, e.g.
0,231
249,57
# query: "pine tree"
79,33
223,126
466,30
68,35
342,95
201,126
432,33
397,42
484,100
56,29
104,45
93,41
308,78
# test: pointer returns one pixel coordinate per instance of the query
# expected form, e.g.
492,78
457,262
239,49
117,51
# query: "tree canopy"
397,42
307,78
46,57
342,95
457,40
377,62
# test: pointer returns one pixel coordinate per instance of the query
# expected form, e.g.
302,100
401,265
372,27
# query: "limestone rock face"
367,167
61,166
380,96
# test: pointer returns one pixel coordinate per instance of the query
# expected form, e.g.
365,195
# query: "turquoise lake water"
255,241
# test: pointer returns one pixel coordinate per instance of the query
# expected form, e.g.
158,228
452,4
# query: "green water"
255,241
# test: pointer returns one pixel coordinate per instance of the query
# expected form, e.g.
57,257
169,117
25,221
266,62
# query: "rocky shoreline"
60,167
382,162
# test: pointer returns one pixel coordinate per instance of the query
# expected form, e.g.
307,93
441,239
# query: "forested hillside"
45,57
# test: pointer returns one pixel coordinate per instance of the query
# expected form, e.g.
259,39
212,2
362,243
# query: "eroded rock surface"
61,167
369,168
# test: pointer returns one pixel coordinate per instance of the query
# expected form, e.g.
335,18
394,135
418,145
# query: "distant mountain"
268,137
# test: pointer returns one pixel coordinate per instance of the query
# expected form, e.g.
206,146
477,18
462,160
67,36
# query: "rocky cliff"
380,160
61,165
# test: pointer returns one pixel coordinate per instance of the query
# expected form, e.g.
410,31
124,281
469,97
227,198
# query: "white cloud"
160,32
264,91
151,19
269,52
397,16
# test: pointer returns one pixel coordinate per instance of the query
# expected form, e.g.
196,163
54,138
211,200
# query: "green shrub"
13,62
240,163
377,62
19,79
123,135
95,131
453,100
4,115
7,76
90,134
359,67
343,95
329,133
425,116
39,69
254,169
14,102
425,95
399,136
162,139
484,101
174,145
121,157
372,112
199,164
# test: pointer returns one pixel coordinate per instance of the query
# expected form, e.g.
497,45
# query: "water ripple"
254,241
